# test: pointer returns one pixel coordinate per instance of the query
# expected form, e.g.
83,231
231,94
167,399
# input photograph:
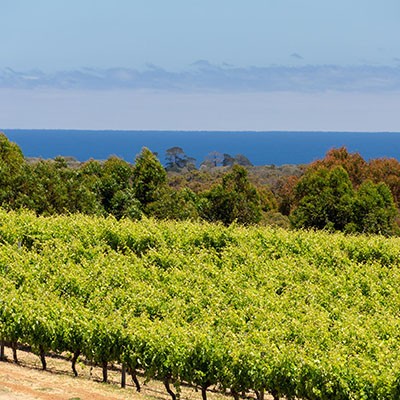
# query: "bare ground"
26,381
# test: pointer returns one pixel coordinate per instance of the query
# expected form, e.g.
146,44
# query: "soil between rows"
26,381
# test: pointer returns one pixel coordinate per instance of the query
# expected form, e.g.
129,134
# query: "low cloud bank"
203,76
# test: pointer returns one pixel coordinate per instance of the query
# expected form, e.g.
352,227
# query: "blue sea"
262,148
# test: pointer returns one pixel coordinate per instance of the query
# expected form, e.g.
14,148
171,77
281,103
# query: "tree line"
341,192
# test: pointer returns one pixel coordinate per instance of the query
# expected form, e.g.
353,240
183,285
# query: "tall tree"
239,159
149,177
11,170
228,160
115,177
374,209
213,159
326,199
177,159
236,199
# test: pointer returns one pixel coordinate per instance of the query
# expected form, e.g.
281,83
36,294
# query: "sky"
232,54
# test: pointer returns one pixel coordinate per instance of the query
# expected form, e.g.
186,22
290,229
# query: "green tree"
213,159
228,160
51,187
116,178
375,210
177,159
149,177
111,183
89,176
243,160
175,204
239,159
325,200
236,199
11,171
125,204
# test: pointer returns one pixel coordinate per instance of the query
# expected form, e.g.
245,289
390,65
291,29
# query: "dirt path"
26,381
23,383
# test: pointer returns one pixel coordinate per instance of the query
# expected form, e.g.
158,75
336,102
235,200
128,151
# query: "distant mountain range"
202,75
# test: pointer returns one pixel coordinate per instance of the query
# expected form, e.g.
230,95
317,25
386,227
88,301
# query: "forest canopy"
340,192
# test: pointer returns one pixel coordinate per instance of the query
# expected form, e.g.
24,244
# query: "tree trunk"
74,360
105,371
135,379
2,355
14,351
43,358
123,376
260,394
170,392
235,394
274,394
204,392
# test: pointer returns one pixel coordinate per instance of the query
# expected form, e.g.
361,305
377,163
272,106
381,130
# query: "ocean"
261,148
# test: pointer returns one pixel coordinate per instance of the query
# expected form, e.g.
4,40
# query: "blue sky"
53,51
68,34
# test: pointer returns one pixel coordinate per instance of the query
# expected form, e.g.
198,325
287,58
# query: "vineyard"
295,314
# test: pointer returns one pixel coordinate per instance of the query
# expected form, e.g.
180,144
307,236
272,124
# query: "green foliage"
115,177
177,160
374,209
306,315
355,166
236,199
326,200
11,167
212,160
334,194
175,204
52,188
275,218
125,204
239,159
148,178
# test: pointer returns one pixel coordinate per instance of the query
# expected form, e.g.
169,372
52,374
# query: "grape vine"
296,314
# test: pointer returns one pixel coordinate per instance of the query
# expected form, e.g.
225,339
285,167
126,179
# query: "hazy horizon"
226,65
150,110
